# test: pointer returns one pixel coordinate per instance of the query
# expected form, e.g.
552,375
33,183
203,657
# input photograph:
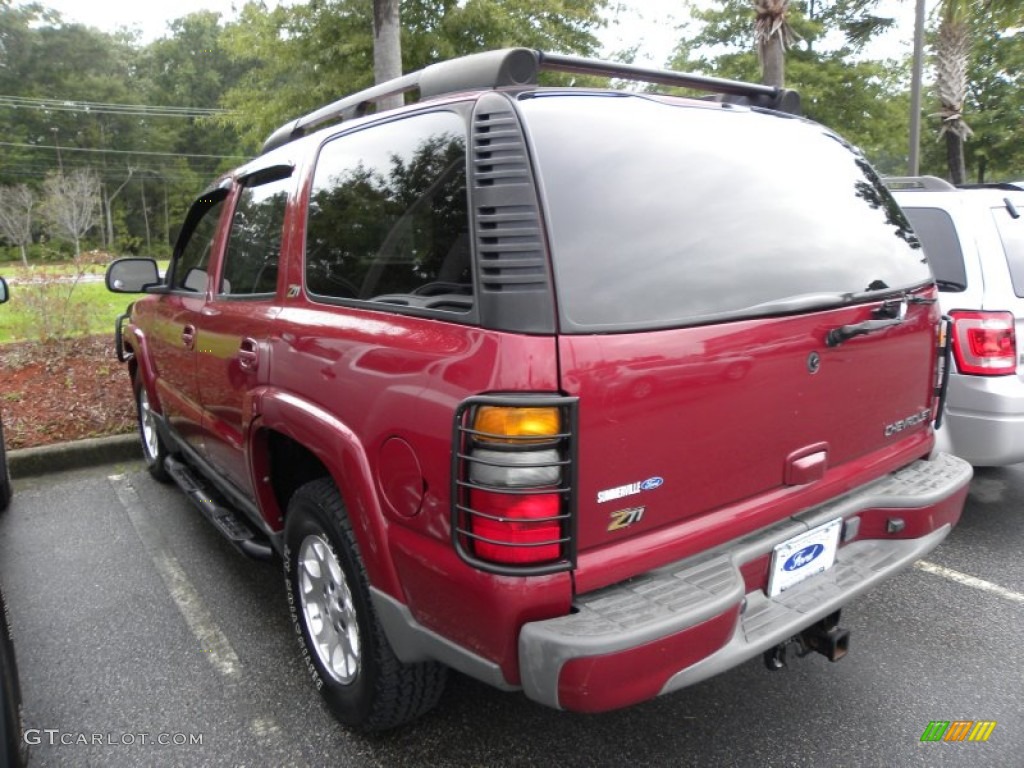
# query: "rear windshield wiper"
837,336
891,312
800,303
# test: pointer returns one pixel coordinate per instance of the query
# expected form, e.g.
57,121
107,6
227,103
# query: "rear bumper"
984,420
684,623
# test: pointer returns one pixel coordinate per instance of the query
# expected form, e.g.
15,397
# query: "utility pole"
915,91
56,141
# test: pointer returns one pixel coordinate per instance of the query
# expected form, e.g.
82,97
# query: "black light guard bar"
945,361
520,67
461,511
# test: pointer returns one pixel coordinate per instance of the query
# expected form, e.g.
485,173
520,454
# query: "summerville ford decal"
630,489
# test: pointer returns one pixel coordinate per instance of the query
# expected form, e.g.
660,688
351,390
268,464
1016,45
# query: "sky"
646,22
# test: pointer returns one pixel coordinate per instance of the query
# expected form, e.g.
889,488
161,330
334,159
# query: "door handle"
188,336
248,355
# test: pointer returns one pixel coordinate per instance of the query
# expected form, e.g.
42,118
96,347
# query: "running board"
227,523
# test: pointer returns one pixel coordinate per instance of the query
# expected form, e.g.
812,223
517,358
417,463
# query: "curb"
26,462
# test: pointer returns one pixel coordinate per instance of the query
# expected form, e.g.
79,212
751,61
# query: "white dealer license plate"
804,556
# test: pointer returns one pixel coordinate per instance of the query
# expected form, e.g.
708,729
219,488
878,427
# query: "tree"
996,104
953,44
304,55
774,35
17,204
71,204
387,47
863,100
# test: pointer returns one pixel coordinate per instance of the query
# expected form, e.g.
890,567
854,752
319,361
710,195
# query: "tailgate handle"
806,465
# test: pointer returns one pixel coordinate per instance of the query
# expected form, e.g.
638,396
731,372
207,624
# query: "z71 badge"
624,518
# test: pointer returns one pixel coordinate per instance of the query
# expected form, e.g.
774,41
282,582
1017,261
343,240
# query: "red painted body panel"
714,412
225,381
602,683
917,523
342,393
480,611
172,362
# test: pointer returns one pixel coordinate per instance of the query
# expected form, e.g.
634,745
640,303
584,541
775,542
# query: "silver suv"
973,237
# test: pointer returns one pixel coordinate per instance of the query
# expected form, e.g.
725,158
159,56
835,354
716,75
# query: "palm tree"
953,44
774,35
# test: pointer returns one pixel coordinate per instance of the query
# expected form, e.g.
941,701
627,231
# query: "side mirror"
132,275
4,295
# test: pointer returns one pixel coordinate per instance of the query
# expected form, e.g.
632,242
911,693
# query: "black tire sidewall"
308,515
155,464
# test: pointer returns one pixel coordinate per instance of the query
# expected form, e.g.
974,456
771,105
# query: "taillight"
984,343
512,473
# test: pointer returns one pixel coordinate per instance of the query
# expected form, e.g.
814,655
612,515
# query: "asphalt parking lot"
144,639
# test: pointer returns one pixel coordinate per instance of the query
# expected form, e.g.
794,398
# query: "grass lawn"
88,309
35,311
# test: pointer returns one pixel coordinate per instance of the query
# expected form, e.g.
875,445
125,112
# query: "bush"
49,309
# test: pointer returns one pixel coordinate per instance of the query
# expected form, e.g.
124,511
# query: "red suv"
577,391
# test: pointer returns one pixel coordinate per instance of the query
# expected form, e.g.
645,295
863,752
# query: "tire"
6,489
13,749
351,663
153,449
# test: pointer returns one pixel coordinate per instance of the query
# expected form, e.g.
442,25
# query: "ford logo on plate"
651,483
804,557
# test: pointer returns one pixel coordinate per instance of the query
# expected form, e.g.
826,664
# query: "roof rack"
1009,186
520,67
927,183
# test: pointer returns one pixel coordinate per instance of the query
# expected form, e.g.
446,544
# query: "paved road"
135,623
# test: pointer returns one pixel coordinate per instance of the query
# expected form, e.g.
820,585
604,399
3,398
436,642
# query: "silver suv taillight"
984,343
513,468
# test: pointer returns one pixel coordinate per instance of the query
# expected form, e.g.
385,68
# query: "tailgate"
753,418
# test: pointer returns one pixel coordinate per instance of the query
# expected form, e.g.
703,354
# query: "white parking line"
212,641
970,581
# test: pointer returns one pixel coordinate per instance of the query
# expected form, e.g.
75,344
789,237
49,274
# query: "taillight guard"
943,364
512,499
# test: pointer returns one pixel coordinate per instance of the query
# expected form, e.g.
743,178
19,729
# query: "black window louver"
510,243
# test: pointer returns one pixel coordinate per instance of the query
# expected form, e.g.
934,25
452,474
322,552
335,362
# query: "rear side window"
941,245
1011,232
254,242
661,214
387,216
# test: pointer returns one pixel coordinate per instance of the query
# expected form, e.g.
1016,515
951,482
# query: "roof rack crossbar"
583,66
520,66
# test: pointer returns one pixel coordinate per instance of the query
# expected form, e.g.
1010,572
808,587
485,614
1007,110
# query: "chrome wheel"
147,425
328,610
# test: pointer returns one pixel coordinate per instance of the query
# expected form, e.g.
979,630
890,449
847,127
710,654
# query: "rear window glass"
1011,232
941,245
664,215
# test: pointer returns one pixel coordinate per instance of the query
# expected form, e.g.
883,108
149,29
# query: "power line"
121,151
108,108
